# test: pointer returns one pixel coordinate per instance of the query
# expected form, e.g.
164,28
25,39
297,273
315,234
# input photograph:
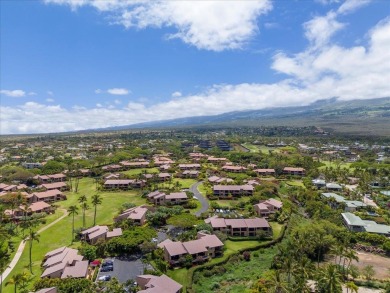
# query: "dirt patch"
381,264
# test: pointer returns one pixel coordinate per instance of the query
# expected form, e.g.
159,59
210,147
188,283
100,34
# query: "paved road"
22,244
199,196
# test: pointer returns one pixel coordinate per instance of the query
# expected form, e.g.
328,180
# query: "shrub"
247,255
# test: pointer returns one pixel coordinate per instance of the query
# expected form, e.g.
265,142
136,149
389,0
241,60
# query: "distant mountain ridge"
354,116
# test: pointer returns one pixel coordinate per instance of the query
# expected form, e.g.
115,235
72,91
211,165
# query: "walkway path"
22,244
204,202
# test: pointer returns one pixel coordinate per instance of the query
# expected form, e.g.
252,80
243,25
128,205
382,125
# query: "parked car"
104,278
108,262
107,268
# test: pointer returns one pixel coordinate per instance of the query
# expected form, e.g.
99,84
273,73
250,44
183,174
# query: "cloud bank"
323,70
209,25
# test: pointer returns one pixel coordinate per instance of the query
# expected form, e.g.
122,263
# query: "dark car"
107,268
108,262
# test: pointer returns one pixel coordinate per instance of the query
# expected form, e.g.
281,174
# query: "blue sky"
79,64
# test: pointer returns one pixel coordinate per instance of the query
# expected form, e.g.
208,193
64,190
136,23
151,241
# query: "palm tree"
96,200
84,206
31,237
329,279
16,280
351,287
276,283
73,210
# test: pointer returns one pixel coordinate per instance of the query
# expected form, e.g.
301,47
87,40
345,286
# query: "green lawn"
140,170
202,189
228,203
334,165
265,150
297,183
251,147
184,183
60,234
179,275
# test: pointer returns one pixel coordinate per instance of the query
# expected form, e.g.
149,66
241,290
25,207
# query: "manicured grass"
179,275
334,165
140,170
60,234
228,203
235,276
297,183
265,150
202,189
251,147
184,183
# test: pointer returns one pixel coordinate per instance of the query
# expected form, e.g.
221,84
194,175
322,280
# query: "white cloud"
118,91
351,5
49,100
320,29
117,102
98,91
210,25
271,25
50,93
327,2
13,93
176,94
357,72
32,94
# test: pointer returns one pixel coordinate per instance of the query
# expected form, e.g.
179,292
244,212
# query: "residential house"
160,198
319,183
216,179
189,166
112,168
92,235
137,164
136,214
46,196
239,227
233,190
333,187
266,207
32,165
203,248
154,284
265,172
124,183
64,263
356,224
62,186
164,176
294,171
190,174
234,169
350,205
216,160
43,179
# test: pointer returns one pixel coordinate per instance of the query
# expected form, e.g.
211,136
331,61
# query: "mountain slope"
362,117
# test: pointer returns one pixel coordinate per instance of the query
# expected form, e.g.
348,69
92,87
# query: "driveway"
204,202
126,269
